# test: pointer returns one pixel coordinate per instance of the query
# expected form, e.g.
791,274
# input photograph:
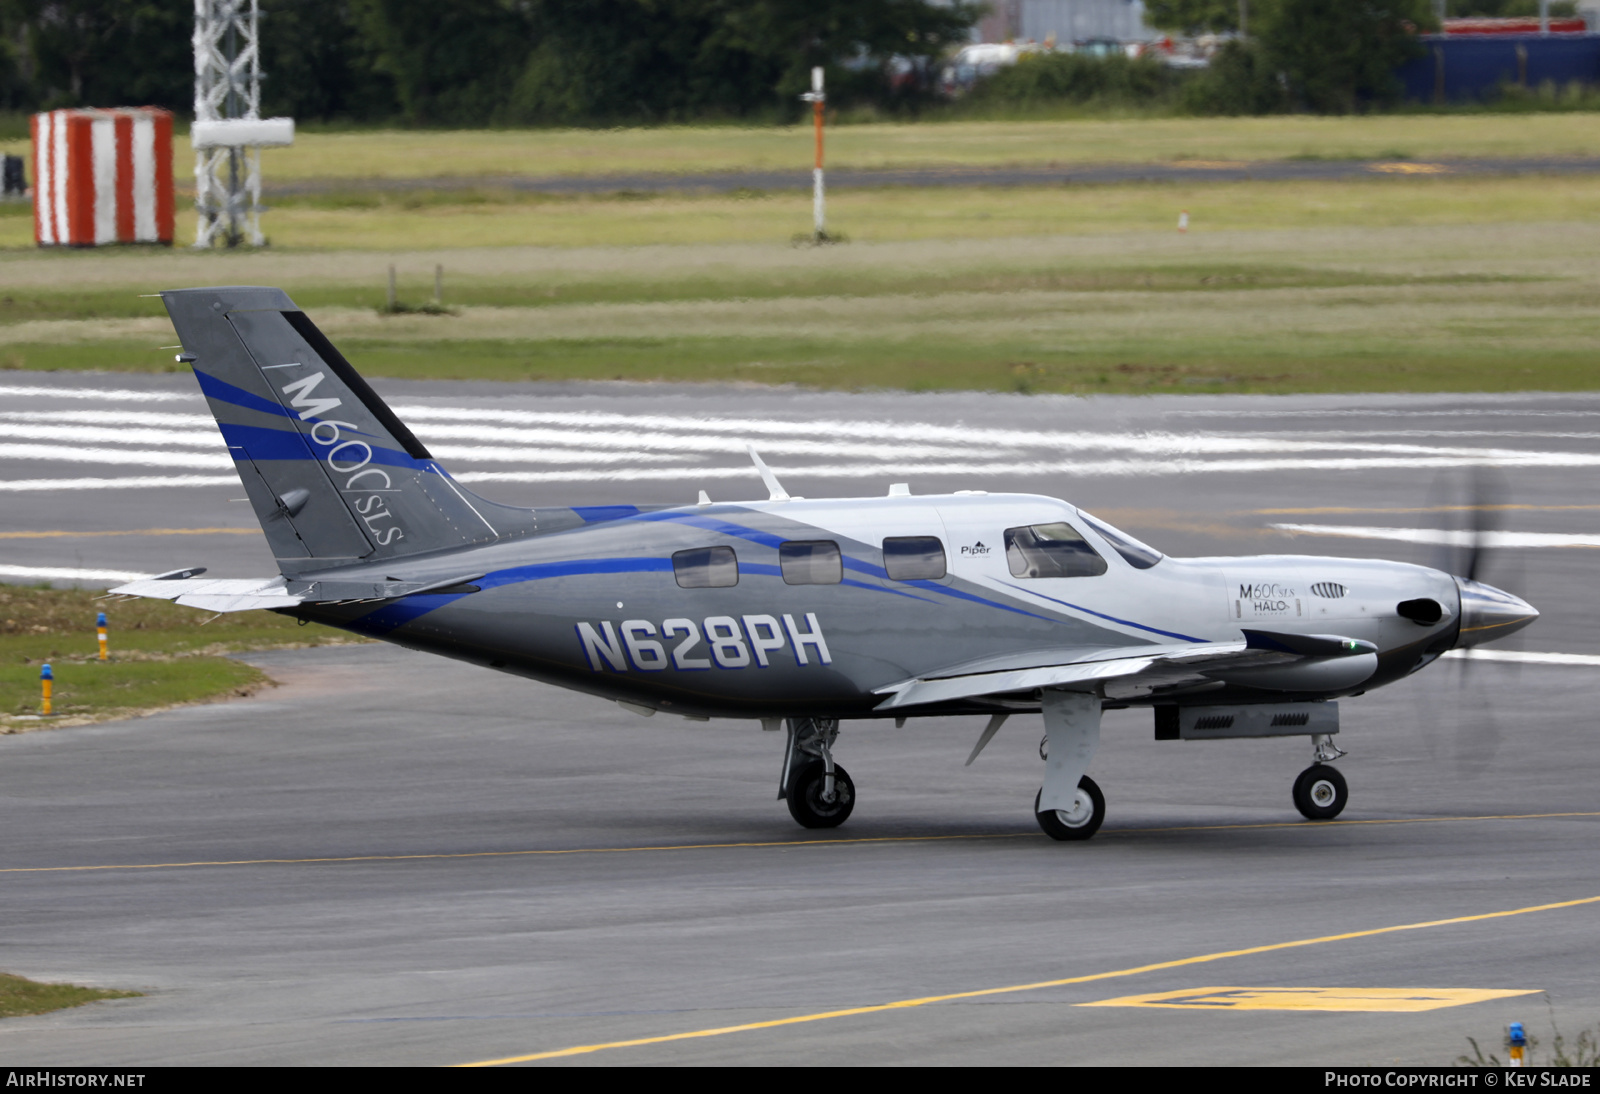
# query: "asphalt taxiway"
391,858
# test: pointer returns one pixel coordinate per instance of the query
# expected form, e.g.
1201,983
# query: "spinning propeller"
1471,509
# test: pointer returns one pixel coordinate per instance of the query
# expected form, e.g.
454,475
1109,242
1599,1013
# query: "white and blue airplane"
798,613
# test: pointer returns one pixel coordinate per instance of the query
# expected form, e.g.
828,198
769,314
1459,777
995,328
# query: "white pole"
818,201
818,198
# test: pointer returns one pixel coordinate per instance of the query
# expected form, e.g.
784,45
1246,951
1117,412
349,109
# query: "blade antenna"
989,731
775,490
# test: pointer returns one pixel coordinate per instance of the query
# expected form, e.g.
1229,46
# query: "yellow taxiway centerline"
1310,826
906,1004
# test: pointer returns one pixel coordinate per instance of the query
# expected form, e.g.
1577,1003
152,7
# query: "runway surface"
1090,174
396,859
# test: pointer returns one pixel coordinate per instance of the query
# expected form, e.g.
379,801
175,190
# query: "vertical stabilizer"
333,475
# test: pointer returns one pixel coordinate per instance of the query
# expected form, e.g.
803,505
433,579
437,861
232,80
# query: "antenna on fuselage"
775,490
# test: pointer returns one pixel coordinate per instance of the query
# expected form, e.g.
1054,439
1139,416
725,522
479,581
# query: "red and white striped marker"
102,176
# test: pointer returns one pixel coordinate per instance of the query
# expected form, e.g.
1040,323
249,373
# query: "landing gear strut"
819,792
1320,792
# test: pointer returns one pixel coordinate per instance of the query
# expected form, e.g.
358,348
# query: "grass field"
19,996
1383,286
161,654
407,154
1415,282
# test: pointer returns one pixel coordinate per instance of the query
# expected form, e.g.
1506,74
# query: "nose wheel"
1320,792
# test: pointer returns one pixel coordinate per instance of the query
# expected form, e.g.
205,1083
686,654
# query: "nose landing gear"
1320,792
1080,821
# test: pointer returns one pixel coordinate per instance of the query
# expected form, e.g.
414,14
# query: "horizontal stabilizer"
215,594
246,594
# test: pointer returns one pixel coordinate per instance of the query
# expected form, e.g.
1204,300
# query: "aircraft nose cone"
1488,613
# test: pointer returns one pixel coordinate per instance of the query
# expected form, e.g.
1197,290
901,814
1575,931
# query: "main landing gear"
1320,792
819,791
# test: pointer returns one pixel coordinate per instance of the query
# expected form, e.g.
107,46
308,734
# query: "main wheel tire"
806,804
1081,821
1320,792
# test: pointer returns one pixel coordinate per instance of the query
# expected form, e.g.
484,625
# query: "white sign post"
816,98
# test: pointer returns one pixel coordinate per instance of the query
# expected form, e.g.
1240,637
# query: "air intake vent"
1214,721
1298,719
1330,589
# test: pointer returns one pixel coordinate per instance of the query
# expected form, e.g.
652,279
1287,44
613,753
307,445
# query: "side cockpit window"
1140,556
706,568
1051,550
811,562
913,558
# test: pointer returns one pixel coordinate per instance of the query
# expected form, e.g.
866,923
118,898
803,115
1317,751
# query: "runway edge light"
100,626
1516,1045
46,677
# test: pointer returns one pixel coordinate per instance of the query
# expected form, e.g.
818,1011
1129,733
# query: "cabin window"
1051,550
811,562
1138,555
706,568
913,558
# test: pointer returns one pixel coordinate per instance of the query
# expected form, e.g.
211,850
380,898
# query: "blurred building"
1064,21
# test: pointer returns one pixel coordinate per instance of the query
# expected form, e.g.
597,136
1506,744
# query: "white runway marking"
1519,657
104,394
1444,537
132,482
55,573
477,443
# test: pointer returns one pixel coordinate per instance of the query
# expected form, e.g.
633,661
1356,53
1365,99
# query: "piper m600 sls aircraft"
800,614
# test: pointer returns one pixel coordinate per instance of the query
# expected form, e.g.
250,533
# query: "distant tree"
1192,16
1340,56
105,52
1323,56
319,65
647,60
451,63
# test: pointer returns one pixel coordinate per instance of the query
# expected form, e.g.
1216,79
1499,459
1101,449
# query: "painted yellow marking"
1313,826
1329,999
1307,826
505,854
906,1004
1410,168
134,532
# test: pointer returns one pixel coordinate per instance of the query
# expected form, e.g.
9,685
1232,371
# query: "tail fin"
333,475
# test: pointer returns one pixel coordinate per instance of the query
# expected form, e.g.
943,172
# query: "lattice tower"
227,84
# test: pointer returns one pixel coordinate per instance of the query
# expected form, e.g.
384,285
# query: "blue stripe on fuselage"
767,539
593,514
398,614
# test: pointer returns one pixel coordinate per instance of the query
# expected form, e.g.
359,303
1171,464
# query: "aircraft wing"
1126,671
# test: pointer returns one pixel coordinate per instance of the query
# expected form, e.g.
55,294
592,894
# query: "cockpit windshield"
1138,555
